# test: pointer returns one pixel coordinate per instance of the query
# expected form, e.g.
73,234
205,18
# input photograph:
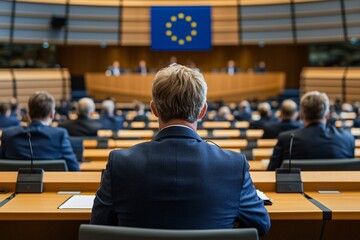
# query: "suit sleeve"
252,212
68,153
276,157
103,211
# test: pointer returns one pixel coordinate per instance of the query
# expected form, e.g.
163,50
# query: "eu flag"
181,28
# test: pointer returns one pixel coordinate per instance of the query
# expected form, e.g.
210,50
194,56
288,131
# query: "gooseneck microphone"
288,180
30,180
31,153
292,135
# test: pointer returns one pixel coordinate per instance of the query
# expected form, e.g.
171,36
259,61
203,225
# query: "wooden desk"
97,154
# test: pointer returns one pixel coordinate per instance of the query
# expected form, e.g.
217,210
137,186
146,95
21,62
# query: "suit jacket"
6,122
259,124
272,130
315,141
47,143
178,181
81,127
113,123
356,122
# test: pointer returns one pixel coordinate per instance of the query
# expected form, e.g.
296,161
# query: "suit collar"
37,123
176,132
316,124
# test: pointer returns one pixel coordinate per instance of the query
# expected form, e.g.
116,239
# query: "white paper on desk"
262,195
78,202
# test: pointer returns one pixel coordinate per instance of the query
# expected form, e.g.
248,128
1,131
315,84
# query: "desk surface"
344,206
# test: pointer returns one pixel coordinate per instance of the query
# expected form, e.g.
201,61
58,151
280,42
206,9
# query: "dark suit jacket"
178,181
111,122
259,124
6,122
47,143
356,122
315,141
272,130
81,127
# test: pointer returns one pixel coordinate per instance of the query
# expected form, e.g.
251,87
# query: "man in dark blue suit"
6,120
47,142
177,180
108,119
288,115
315,140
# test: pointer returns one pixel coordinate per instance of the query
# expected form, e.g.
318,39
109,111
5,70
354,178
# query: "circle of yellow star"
181,17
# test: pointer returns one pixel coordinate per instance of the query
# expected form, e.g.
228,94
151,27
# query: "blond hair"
179,92
314,106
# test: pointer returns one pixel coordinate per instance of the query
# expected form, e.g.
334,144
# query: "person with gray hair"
178,180
315,140
288,115
83,125
108,119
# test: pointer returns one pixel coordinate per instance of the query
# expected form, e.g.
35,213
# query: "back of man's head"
264,109
288,109
41,105
314,106
179,92
4,109
86,107
108,106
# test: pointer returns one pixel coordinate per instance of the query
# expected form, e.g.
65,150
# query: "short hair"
179,92
264,109
86,106
41,104
108,106
4,107
288,109
314,105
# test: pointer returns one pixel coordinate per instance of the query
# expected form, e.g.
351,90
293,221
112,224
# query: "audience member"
178,181
83,125
114,69
63,109
223,114
6,120
266,116
357,119
243,113
141,115
47,142
315,140
142,68
108,118
288,115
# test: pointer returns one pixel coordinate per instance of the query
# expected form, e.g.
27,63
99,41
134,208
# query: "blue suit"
47,143
6,122
178,181
113,123
315,141
272,130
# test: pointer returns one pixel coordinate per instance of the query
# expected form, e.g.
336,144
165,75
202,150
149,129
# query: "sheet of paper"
78,202
262,195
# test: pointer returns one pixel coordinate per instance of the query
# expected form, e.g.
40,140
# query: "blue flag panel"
181,28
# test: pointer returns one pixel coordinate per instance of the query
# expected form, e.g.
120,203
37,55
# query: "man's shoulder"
10,131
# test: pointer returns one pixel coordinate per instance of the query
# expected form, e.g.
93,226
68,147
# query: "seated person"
141,115
63,109
47,142
108,119
357,119
288,115
231,68
223,114
315,140
6,120
83,125
114,69
266,116
261,67
243,113
142,68
177,180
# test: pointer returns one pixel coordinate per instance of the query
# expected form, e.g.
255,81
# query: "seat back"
78,147
48,165
346,164
97,232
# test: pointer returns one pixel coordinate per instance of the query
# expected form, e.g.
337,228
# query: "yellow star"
193,32
181,42
173,38
194,24
188,38
188,18
168,25
173,18
168,33
181,15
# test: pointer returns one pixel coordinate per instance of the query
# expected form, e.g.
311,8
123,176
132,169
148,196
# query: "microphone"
288,180
30,180
31,152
